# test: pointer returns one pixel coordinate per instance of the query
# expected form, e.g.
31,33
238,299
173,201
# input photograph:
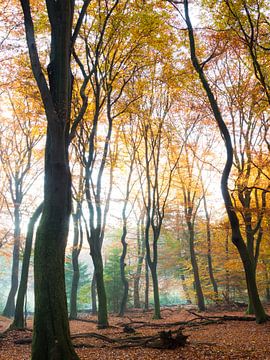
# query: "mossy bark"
51,337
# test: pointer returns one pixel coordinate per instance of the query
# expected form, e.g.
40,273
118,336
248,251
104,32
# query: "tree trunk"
146,291
101,292
209,249
94,294
197,281
19,321
153,269
124,299
51,339
10,304
227,276
77,245
141,254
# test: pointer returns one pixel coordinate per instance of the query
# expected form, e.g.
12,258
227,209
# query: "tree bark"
141,255
209,249
197,281
101,292
77,244
94,294
124,299
146,291
153,269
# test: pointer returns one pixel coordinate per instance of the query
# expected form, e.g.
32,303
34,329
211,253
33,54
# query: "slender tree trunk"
94,294
19,321
101,292
124,299
227,275
141,255
146,291
75,264
209,249
197,281
9,309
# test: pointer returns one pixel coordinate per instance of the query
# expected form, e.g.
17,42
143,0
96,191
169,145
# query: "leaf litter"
215,339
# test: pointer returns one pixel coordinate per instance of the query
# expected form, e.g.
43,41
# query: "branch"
35,63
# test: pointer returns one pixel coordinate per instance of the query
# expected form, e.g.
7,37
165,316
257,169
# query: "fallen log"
223,318
162,340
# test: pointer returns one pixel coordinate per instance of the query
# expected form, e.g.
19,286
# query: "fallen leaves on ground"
228,340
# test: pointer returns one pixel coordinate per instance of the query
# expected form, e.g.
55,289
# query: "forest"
135,179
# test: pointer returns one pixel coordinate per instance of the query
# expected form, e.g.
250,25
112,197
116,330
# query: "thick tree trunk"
197,281
19,320
9,309
51,338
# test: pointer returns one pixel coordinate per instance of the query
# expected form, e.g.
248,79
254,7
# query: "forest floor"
208,338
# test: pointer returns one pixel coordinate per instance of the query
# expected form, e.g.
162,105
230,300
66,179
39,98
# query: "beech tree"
51,337
237,238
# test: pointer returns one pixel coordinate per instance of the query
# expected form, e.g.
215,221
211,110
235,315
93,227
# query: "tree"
192,195
140,258
158,175
209,243
51,337
237,238
20,137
